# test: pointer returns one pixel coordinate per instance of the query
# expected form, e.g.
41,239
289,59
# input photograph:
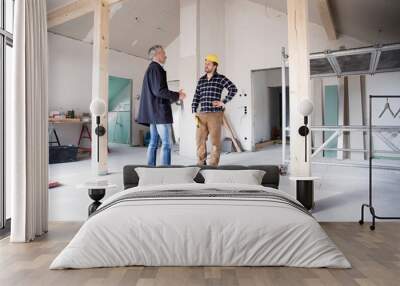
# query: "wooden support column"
327,19
355,92
100,80
341,143
299,83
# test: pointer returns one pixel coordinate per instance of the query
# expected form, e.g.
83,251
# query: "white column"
188,72
299,81
212,32
100,81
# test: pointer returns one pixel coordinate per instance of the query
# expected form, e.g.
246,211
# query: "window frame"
6,39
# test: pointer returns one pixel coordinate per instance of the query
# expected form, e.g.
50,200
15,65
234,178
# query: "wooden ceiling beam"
72,11
327,19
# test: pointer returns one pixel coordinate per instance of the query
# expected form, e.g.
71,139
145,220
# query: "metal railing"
340,130
375,52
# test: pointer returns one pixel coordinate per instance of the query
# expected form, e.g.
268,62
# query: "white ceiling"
136,25
360,19
363,19
280,5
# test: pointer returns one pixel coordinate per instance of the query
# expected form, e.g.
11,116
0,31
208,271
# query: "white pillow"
246,177
166,176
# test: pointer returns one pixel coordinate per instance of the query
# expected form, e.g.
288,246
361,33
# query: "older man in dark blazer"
155,106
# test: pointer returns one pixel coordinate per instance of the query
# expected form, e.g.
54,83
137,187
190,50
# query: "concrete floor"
338,194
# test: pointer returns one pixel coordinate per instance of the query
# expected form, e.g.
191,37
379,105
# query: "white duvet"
193,231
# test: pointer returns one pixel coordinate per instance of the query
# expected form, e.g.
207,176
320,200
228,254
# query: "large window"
6,43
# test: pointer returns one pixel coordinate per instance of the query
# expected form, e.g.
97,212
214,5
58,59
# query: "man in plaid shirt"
209,119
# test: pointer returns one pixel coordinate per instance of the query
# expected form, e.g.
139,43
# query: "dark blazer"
156,98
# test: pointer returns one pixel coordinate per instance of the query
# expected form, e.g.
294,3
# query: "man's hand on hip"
218,103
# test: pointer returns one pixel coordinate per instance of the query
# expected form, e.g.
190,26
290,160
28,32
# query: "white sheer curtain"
29,137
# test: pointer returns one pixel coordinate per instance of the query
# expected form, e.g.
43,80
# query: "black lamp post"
305,108
98,108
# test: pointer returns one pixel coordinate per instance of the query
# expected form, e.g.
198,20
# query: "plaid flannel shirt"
208,91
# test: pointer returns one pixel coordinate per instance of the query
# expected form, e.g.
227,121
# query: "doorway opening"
119,110
267,106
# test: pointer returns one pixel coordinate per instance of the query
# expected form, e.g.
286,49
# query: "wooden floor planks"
375,257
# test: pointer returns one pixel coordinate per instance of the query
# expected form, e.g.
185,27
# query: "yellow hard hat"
212,58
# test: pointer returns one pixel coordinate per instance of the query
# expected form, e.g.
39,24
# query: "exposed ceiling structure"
135,25
370,21
132,21
367,60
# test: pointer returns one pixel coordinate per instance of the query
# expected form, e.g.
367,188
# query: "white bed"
202,231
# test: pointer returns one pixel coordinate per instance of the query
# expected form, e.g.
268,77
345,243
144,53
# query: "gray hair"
153,50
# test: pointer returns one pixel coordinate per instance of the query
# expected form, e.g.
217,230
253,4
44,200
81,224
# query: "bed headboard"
271,177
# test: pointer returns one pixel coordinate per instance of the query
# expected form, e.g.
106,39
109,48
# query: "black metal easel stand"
370,155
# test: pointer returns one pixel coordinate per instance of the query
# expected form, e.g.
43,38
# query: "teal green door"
331,116
119,110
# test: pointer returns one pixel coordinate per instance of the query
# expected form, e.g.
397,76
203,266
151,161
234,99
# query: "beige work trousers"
210,123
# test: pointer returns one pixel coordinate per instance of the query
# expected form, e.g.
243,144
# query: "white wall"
176,110
70,77
212,32
188,72
383,84
172,68
172,64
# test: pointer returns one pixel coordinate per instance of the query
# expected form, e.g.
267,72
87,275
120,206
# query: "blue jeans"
158,131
